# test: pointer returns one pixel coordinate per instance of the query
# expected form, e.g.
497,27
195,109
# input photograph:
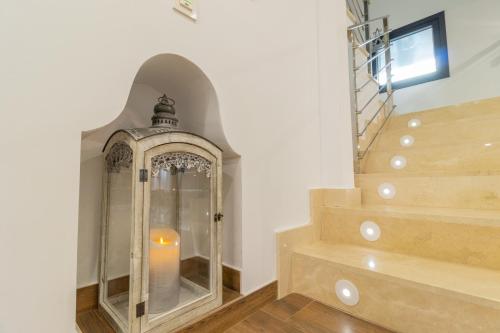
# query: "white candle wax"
164,270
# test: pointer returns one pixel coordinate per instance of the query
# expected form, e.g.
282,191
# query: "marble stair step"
400,292
488,108
465,159
463,236
467,192
474,130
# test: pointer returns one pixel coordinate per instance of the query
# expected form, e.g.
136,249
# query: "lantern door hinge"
140,309
218,217
143,175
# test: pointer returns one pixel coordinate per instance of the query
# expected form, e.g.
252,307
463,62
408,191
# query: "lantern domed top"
165,113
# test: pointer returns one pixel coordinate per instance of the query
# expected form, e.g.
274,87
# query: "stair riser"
483,109
472,192
396,304
472,244
458,159
461,132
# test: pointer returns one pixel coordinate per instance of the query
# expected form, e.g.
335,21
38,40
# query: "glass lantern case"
161,238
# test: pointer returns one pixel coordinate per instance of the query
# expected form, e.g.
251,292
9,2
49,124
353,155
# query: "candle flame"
164,242
164,237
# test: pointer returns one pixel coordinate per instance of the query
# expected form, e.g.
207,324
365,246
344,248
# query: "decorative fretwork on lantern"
162,208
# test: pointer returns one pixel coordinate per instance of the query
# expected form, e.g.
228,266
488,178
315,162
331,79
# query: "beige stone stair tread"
423,174
471,127
449,122
426,175
447,159
436,173
413,175
466,131
479,285
488,108
448,146
448,215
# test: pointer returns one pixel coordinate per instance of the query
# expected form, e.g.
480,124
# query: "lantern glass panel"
180,233
161,262
119,221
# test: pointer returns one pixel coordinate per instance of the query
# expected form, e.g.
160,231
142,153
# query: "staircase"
435,206
415,247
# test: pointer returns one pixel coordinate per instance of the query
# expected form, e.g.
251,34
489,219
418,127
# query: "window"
420,53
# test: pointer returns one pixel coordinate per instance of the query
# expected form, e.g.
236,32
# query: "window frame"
438,24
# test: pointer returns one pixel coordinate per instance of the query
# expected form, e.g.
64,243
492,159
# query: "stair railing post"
369,47
388,70
354,99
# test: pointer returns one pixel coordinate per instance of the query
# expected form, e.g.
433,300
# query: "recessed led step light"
398,162
407,141
414,123
386,191
347,292
370,231
370,262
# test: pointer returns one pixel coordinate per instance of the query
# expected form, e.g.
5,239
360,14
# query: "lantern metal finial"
165,113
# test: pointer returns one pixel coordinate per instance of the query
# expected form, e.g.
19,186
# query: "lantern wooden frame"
146,143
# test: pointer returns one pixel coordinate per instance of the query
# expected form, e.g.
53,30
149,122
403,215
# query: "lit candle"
164,265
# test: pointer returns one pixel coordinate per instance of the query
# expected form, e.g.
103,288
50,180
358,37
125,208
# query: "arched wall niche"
196,101
198,112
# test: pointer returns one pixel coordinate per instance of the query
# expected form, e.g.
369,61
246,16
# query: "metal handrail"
389,64
355,26
375,115
359,17
371,77
370,60
358,10
384,36
370,101
379,91
358,36
362,155
373,39
355,9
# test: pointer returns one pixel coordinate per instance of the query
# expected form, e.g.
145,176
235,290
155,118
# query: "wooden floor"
92,321
292,314
298,314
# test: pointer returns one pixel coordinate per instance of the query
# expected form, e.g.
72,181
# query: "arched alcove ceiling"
196,103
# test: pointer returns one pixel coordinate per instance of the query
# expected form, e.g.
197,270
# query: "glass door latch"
218,217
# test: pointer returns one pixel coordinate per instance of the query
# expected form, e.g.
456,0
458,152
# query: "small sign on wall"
186,7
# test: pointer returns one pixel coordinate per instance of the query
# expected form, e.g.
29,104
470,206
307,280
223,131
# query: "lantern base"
189,292
120,303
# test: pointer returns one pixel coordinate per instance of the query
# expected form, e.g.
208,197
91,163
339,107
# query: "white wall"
231,177
334,96
473,31
68,66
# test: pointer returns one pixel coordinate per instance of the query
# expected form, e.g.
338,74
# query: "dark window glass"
420,53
